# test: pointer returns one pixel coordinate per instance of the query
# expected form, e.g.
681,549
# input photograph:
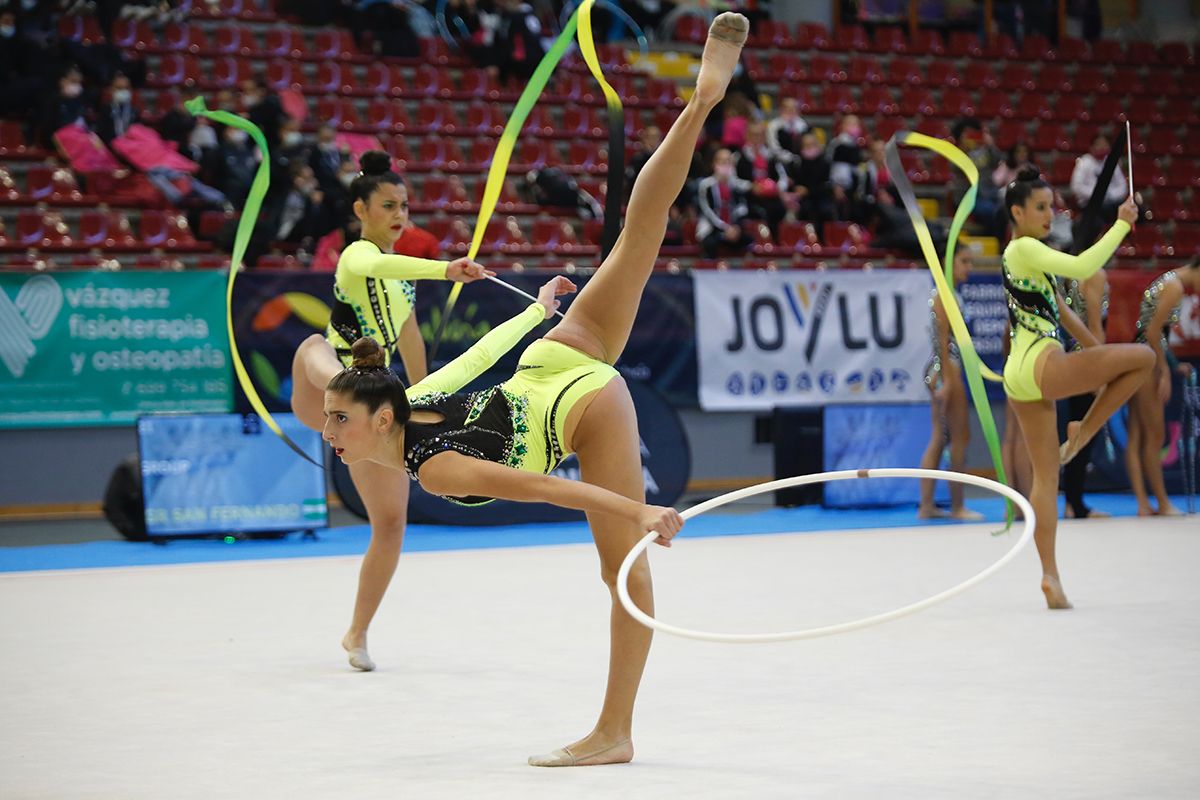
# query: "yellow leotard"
519,423
373,296
1032,307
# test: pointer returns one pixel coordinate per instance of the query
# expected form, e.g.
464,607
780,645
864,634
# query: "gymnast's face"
1034,217
385,213
351,429
962,265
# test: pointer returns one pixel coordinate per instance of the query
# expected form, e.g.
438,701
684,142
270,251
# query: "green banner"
102,348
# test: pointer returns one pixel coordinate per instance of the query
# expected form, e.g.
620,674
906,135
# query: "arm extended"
365,260
456,475
483,354
1031,256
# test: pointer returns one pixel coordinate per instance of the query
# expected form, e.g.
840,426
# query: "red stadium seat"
849,39
916,101
904,72
1142,53
981,75
1090,80
107,229
1177,54
1167,206
332,77
1106,51
811,35
332,43
1160,142
282,75
1053,78
1050,137
1067,108
964,44
485,119
386,115
690,28
956,103
769,33
1072,50
890,40
864,69
944,73
1144,242
1017,77
826,69
1186,242
1037,48
234,40
1009,132
926,42
998,104
877,100
284,42
1143,109
437,117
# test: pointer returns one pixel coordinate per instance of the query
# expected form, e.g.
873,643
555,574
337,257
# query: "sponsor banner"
875,437
226,473
102,348
1125,289
811,338
986,313
273,311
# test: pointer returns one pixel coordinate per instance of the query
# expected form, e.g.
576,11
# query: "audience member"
722,198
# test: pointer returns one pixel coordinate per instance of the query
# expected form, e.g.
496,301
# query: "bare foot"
1144,510
1070,448
356,649
726,36
592,751
966,515
1095,513
1055,597
1168,510
930,512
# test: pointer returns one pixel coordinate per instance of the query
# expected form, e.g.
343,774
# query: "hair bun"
368,354
1029,173
375,162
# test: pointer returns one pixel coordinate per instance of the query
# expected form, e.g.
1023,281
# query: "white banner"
795,338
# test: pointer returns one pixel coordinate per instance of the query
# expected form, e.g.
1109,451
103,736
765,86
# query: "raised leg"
313,366
610,456
601,317
1113,371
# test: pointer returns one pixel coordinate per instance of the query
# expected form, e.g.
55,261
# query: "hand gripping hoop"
828,630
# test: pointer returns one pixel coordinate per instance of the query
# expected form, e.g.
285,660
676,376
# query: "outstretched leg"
601,317
609,453
313,366
933,455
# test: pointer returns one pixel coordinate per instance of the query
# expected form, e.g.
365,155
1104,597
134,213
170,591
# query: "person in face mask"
974,140
723,205
784,132
812,191
235,164
326,158
65,107
118,112
1087,172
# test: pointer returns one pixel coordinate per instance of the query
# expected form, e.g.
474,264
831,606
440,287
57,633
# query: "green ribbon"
974,368
245,229
579,21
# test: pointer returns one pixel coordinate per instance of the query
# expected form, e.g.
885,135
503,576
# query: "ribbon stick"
580,21
974,368
245,228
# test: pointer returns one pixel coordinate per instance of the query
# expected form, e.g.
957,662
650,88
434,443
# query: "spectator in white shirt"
1087,171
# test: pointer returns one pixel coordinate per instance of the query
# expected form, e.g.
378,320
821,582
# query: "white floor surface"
226,680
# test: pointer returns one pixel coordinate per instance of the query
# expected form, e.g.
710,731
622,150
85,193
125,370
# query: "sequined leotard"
933,370
1032,306
373,296
1072,291
520,423
1150,302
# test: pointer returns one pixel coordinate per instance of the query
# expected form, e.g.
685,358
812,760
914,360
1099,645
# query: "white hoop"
812,633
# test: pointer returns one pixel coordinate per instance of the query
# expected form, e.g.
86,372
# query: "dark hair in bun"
1029,179
369,381
376,168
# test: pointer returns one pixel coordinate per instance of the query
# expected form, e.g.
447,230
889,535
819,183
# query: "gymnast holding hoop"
1039,371
566,397
373,297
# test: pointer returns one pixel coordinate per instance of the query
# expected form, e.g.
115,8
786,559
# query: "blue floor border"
352,540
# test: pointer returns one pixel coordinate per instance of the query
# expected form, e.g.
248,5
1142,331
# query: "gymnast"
374,298
566,397
948,402
1039,371
1143,452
